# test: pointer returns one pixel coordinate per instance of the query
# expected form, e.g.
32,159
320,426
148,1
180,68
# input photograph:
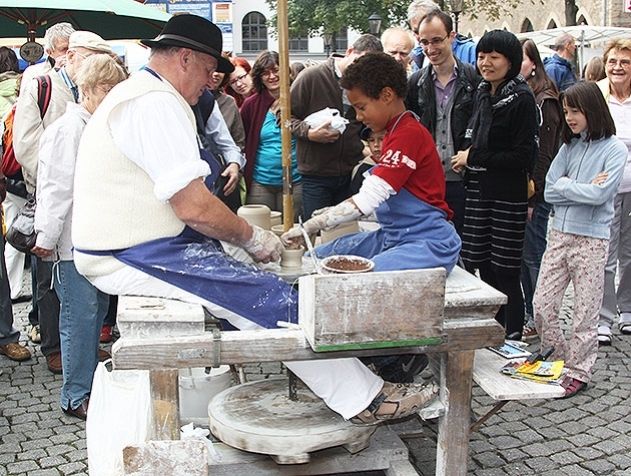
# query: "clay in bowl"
347,264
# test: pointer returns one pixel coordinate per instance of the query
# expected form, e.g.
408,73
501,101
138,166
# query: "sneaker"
34,335
106,334
396,401
529,333
604,335
15,351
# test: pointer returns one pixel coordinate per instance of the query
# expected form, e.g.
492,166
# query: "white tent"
586,37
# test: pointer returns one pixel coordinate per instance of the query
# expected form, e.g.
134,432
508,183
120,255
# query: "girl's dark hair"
587,98
540,81
374,71
265,60
505,43
8,60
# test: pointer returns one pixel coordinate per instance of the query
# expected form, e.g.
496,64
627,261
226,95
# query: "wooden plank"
166,405
486,373
372,310
141,316
452,448
272,345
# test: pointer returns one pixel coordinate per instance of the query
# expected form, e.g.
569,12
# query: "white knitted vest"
114,203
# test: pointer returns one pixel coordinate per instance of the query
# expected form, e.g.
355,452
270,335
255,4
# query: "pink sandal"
572,386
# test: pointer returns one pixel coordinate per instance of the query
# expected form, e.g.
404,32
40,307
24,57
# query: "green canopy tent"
111,19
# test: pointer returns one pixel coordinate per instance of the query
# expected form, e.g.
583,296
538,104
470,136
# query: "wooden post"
166,404
285,115
453,428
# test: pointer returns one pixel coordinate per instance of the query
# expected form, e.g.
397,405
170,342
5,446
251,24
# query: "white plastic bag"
119,415
316,119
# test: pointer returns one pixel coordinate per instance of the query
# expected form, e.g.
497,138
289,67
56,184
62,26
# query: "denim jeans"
534,246
319,192
83,308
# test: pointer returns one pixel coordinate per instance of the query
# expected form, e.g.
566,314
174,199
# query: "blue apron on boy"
413,235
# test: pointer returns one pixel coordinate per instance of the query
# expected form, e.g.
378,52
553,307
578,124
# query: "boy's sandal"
625,328
396,401
572,386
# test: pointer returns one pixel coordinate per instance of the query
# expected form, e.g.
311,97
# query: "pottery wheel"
259,417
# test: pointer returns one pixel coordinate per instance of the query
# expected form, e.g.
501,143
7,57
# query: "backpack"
10,165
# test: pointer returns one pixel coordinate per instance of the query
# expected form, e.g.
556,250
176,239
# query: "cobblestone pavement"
587,434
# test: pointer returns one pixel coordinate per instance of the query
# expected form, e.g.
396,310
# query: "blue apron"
198,264
413,235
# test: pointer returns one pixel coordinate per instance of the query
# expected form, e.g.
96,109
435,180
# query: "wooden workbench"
469,324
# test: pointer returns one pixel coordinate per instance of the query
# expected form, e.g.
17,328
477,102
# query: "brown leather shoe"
104,355
81,412
53,361
15,351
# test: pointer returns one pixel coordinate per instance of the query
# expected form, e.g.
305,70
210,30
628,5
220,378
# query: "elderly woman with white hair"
616,88
83,307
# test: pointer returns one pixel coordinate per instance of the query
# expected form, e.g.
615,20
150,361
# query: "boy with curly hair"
405,189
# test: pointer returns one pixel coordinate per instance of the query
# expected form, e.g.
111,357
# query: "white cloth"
55,178
217,130
373,192
346,385
13,258
151,146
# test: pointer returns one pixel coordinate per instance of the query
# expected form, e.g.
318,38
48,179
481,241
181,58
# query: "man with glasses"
398,43
559,66
463,47
326,158
28,127
442,96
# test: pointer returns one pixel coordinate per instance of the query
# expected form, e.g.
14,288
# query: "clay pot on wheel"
292,258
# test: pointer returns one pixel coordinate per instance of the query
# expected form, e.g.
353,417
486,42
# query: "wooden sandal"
396,401
572,386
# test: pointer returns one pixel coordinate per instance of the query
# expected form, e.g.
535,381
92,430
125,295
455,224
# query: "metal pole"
285,115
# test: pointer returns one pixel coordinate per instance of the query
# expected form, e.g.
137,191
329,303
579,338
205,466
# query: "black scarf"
480,124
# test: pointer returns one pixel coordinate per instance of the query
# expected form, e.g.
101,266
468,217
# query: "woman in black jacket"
503,134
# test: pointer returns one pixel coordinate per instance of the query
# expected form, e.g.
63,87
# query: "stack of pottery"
259,215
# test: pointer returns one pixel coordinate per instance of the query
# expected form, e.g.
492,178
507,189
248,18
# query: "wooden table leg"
165,403
452,449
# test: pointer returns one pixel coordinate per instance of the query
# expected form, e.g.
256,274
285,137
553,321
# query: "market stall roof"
111,19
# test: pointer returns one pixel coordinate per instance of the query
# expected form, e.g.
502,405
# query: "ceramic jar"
276,217
258,215
292,258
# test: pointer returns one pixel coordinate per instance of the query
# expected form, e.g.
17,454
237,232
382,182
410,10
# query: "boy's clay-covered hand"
327,218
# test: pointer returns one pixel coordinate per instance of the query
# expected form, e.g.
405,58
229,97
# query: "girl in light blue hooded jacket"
581,185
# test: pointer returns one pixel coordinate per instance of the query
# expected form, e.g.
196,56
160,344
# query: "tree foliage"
314,17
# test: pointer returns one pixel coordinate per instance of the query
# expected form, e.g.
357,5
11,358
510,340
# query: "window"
340,44
552,24
298,44
527,26
254,32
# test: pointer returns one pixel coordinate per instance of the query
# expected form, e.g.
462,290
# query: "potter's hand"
329,218
264,246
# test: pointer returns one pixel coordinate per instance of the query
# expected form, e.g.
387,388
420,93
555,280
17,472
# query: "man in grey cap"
28,127
559,66
146,223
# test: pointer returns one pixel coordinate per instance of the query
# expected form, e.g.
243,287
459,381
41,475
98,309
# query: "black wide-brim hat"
196,33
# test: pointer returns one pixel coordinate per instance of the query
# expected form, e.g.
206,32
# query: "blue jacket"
560,71
463,48
580,207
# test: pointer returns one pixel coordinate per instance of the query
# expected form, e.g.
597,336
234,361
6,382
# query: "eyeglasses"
434,41
268,72
238,79
624,63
